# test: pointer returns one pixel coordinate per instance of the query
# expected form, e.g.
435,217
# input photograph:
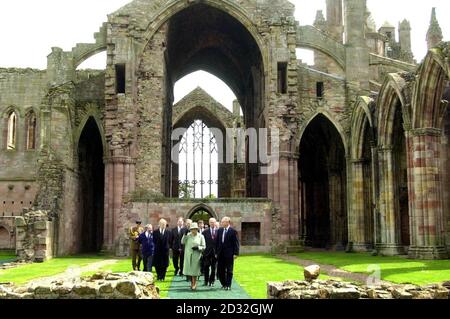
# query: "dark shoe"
211,284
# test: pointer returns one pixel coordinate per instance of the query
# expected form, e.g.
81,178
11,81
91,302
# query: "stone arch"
90,52
330,118
5,238
96,117
433,73
392,93
207,113
361,221
322,186
227,6
393,121
201,207
362,120
13,108
91,187
311,38
227,50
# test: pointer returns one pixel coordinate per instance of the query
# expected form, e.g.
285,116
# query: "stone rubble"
104,285
332,289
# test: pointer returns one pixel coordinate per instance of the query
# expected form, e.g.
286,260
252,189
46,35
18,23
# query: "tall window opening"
198,163
12,131
31,124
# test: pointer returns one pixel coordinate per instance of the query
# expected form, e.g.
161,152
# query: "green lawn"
252,272
394,269
23,274
124,265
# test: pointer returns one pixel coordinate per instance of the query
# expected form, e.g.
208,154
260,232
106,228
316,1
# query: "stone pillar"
338,210
357,220
60,67
389,226
357,51
334,19
119,181
426,195
283,190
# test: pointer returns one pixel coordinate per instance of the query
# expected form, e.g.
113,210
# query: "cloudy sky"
29,28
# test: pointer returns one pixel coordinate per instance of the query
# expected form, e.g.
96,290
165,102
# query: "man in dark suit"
148,247
161,238
177,249
227,250
209,255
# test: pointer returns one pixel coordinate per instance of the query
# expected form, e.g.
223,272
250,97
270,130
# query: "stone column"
426,195
389,220
337,209
356,222
357,51
283,190
119,181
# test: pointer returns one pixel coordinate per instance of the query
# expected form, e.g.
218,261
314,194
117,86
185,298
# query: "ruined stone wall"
90,87
151,104
34,236
334,102
21,90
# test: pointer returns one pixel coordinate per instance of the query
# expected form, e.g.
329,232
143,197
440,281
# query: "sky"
30,28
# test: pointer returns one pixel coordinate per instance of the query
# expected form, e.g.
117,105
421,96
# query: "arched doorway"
201,212
91,187
322,168
5,238
401,177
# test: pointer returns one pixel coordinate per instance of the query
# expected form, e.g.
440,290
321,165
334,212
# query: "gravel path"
332,271
74,272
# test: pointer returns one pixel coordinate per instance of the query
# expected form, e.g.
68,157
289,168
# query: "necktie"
214,234
224,234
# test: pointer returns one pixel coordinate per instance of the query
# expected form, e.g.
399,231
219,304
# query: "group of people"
197,250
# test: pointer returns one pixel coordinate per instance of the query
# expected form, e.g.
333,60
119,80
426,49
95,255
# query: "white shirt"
147,234
162,231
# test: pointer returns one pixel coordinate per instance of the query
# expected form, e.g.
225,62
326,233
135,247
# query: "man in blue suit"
227,250
148,247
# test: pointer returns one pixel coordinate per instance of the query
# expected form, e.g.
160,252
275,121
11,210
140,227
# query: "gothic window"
31,130
198,162
12,131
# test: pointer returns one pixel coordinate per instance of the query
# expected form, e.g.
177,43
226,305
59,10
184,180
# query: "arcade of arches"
363,161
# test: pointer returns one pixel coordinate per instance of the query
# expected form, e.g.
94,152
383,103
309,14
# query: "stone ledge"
133,285
331,289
